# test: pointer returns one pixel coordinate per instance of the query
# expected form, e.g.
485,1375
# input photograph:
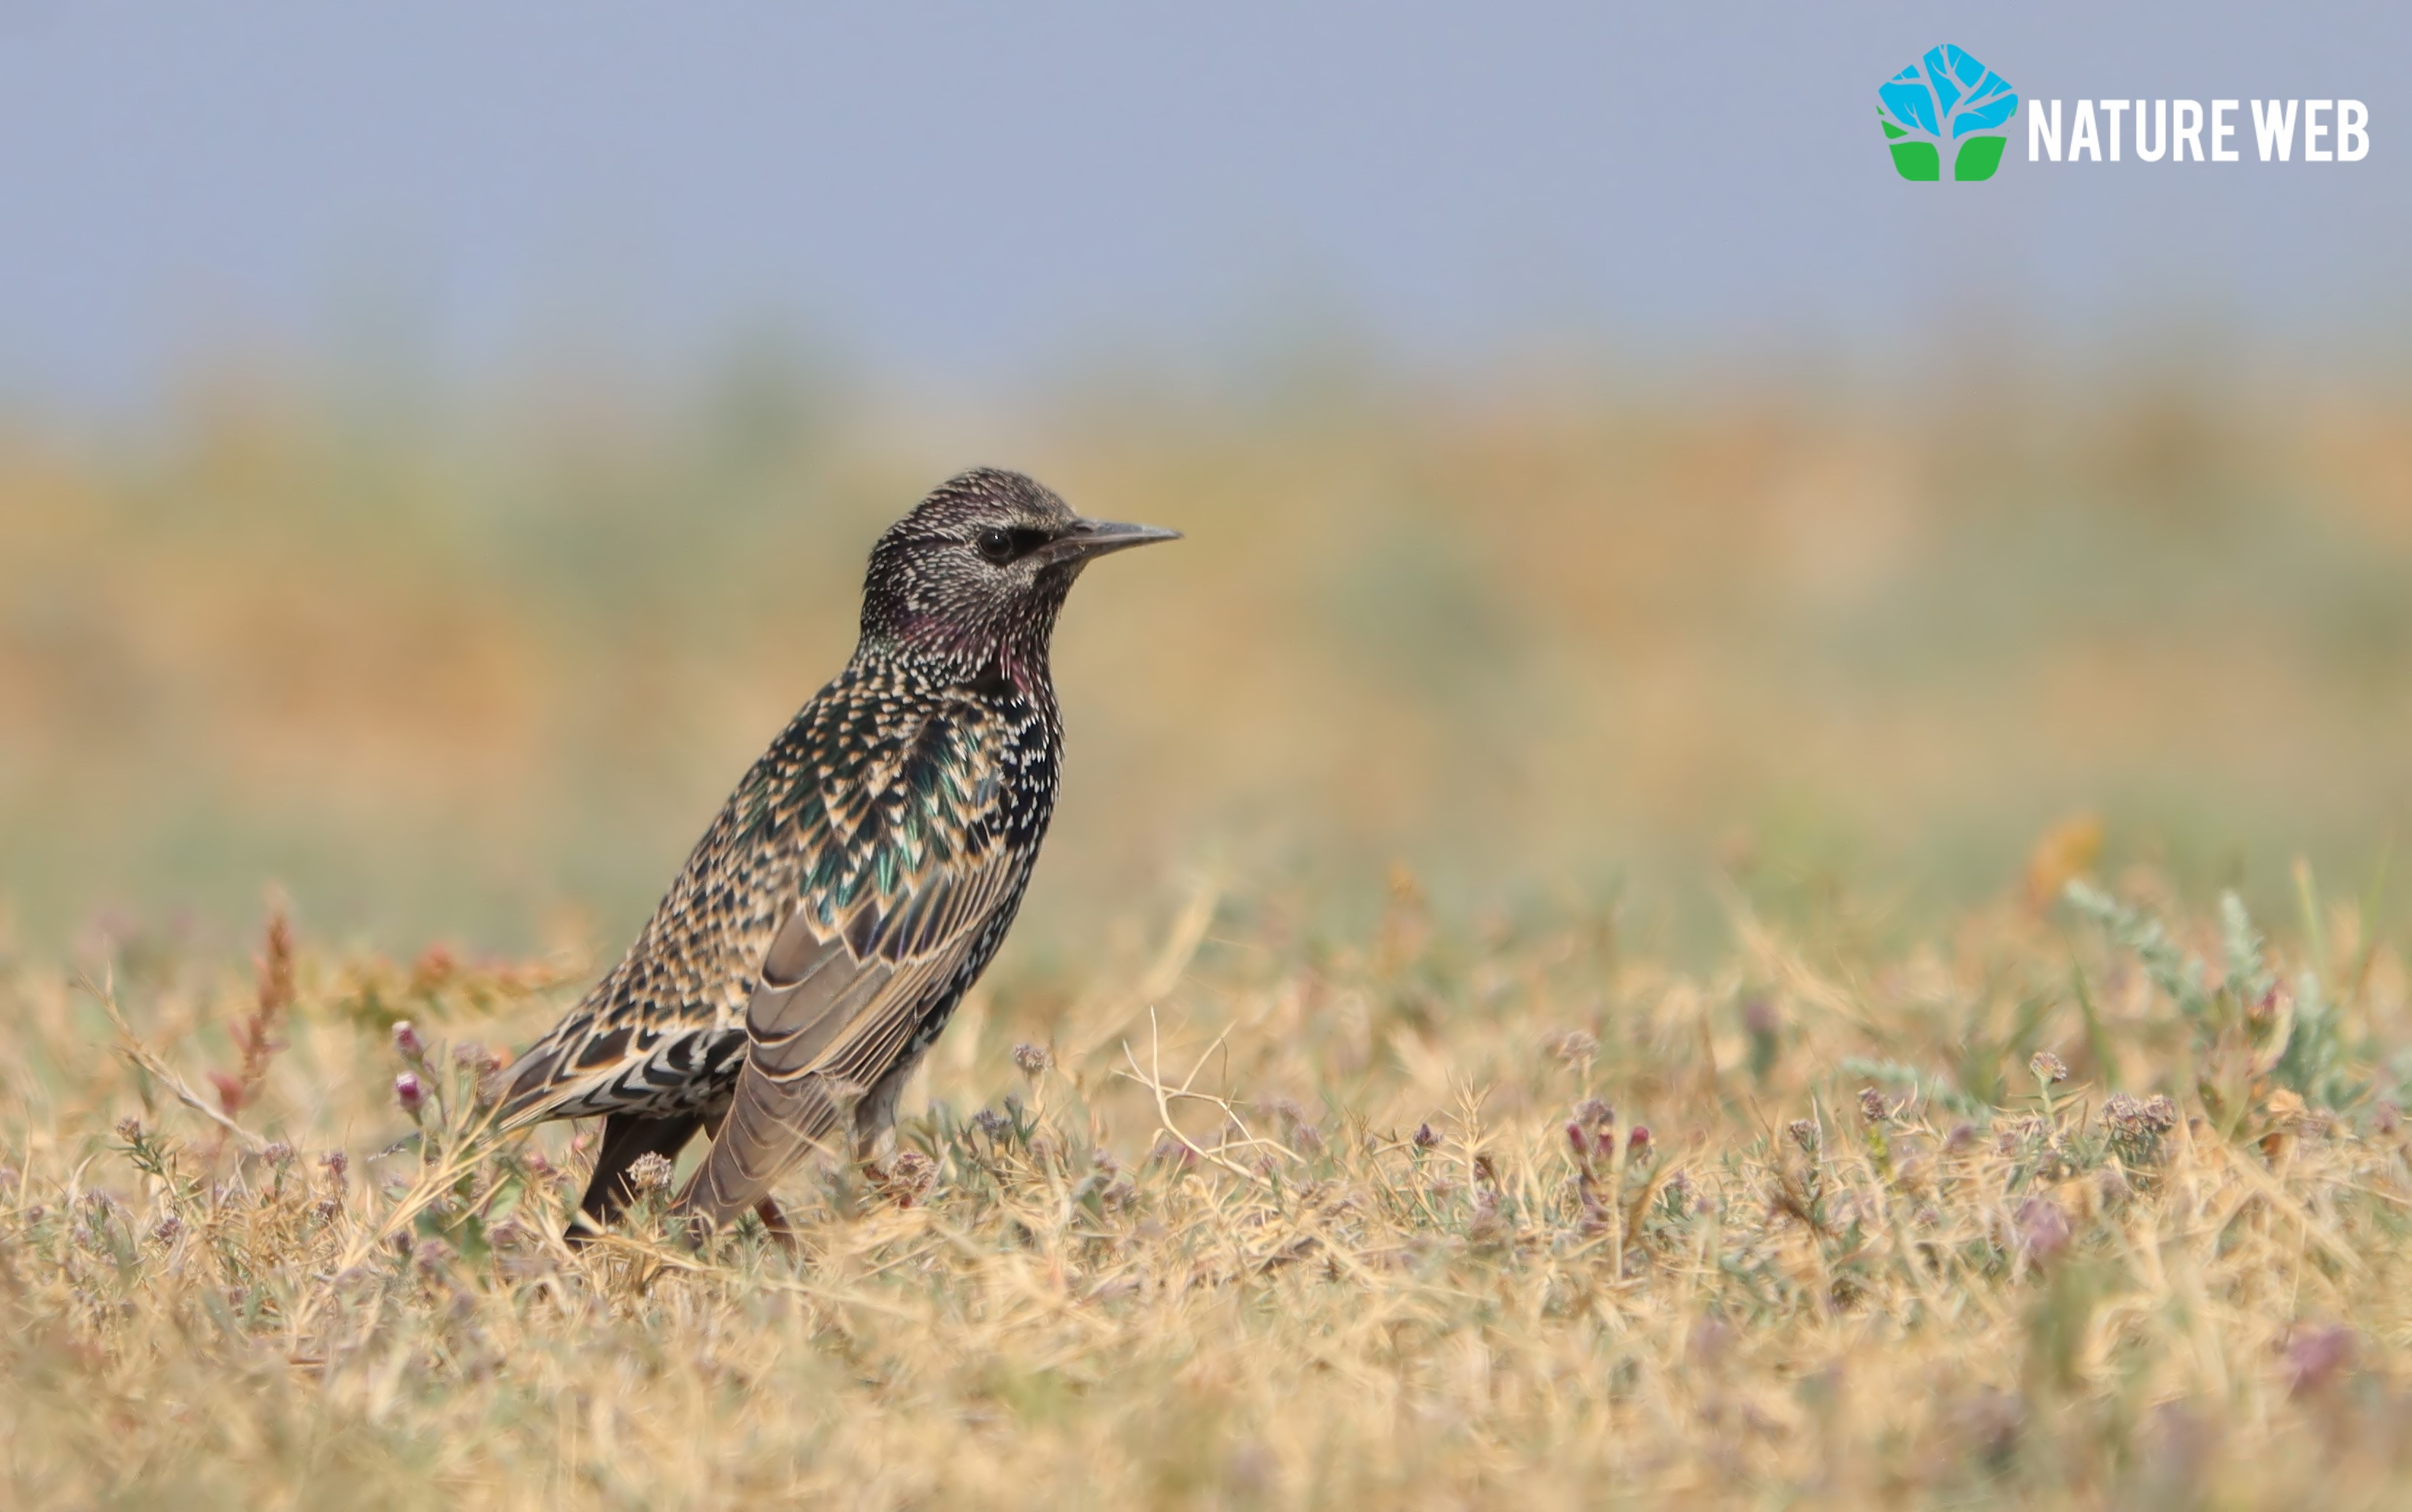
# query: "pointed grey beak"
1095,537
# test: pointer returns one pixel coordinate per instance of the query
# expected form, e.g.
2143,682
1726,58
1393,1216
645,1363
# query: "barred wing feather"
899,892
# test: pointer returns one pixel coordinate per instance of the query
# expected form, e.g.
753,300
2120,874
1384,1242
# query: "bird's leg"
903,1178
875,1132
868,1149
627,1138
775,1223
876,1178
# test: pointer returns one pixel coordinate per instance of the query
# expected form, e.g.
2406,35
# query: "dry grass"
1865,1257
1768,687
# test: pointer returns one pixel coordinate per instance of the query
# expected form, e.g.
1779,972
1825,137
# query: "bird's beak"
1095,537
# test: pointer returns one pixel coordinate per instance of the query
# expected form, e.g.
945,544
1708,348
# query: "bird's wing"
662,1026
878,783
906,869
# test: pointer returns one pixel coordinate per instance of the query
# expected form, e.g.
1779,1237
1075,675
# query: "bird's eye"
996,545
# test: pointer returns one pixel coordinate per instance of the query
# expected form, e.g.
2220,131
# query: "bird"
855,884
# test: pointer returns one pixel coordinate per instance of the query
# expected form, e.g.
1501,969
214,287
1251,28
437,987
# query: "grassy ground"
1242,1215
1713,724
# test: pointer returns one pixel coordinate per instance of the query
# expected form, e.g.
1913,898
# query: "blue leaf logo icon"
1935,102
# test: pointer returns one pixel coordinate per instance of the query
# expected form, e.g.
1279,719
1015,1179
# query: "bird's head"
977,571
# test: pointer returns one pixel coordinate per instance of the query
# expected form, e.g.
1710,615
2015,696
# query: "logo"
2334,130
1947,103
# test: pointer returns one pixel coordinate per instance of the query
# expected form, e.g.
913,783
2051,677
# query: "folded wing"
903,875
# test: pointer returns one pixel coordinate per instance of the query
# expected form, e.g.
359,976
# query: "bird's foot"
905,1180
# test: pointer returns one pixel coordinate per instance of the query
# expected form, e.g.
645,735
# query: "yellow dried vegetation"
2099,1206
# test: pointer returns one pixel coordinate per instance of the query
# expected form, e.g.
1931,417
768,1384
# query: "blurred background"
439,447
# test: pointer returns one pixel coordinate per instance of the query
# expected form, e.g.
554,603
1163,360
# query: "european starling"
855,884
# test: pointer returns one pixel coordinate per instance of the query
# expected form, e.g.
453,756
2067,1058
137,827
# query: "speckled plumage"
857,882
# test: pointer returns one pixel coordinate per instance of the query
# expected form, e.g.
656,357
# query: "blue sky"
971,194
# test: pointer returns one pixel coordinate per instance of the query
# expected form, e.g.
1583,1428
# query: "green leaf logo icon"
1947,107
